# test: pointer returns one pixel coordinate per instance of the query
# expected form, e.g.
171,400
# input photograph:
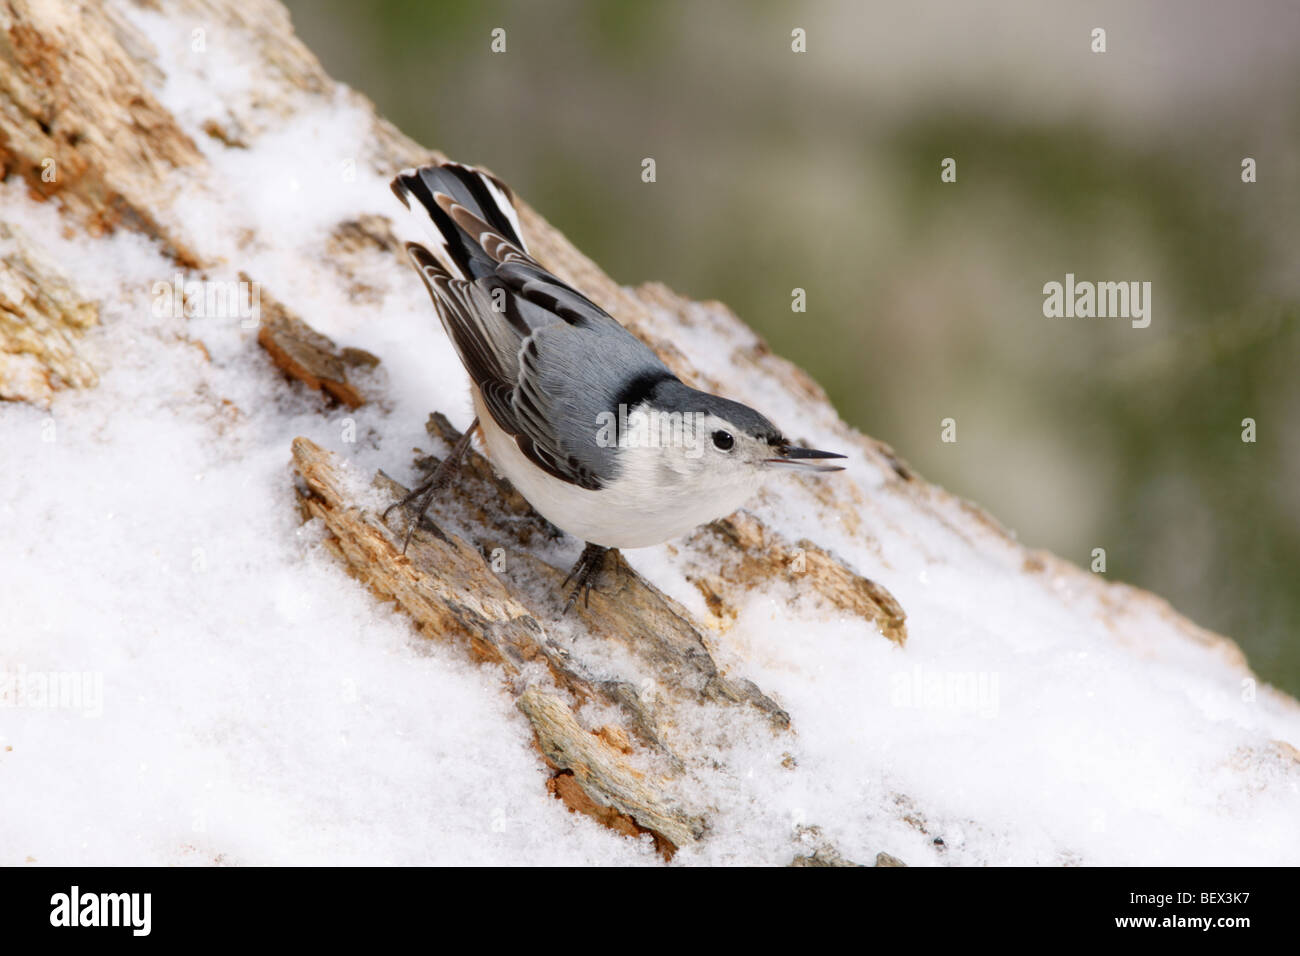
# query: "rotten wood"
468,576
42,317
302,353
78,120
80,125
743,556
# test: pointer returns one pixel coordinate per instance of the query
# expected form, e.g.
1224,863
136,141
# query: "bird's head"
707,444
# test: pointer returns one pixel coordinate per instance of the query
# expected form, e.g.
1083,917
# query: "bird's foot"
585,573
423,495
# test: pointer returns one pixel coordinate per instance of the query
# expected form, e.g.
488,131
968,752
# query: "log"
42,317
617,694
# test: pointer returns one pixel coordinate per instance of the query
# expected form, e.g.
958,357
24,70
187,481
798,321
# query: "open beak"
805,459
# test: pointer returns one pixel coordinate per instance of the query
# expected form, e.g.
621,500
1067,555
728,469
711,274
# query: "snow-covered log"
199,277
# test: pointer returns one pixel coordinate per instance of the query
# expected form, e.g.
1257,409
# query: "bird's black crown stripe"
640,388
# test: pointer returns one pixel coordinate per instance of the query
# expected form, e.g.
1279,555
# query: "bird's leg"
441,475
584,573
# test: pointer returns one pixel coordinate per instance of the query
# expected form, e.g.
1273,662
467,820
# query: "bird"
581,416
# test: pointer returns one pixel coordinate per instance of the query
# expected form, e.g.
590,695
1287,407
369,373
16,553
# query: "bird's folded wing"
502,324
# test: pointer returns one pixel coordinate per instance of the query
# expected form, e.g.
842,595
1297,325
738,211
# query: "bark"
41,318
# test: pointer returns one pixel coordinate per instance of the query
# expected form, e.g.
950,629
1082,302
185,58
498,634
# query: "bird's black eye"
723,440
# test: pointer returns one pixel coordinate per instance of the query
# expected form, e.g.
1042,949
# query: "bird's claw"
584,574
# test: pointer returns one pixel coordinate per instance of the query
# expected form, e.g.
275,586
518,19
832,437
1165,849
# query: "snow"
244,701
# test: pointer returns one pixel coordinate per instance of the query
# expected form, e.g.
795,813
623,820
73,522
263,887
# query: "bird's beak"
805,459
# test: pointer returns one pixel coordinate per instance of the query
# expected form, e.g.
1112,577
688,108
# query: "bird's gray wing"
549,363
547,360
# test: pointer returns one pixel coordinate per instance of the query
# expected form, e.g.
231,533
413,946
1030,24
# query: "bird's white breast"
642,507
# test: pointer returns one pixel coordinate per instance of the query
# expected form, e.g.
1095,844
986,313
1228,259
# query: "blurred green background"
821,170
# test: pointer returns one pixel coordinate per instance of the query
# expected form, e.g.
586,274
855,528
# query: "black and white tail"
490,294
468,216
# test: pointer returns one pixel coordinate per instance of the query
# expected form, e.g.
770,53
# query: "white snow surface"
242,700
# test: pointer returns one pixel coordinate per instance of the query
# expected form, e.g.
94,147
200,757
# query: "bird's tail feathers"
467,214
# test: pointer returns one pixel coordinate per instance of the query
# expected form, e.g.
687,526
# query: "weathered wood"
446,581
746,557
42,316
303,353
448,586
603,775
78,121
80,125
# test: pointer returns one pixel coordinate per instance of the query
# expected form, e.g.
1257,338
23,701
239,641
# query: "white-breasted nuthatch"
581,416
